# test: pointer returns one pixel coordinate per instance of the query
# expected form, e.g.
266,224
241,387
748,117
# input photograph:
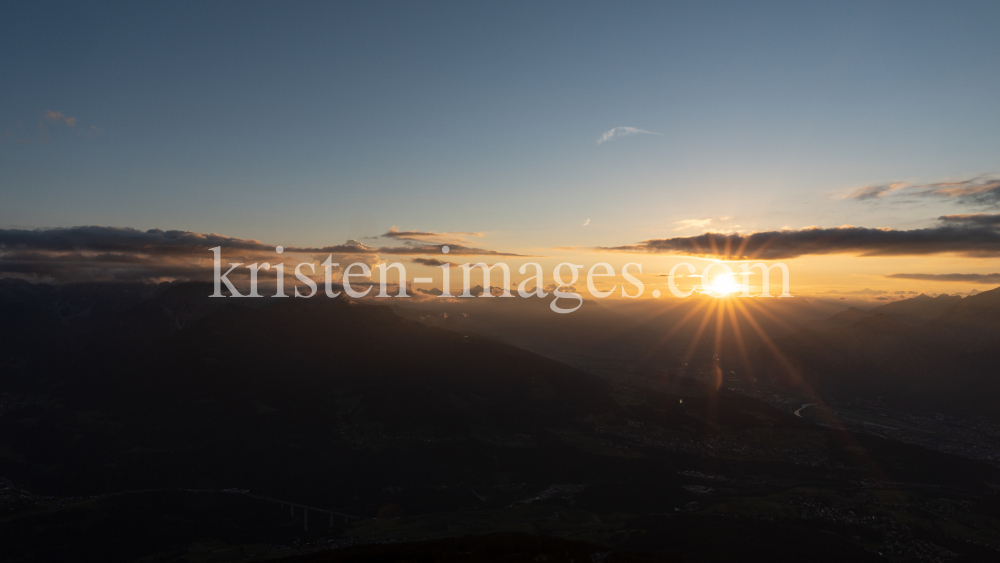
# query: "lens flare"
723,284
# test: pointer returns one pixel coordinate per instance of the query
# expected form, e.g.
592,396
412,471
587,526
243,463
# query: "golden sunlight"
722,285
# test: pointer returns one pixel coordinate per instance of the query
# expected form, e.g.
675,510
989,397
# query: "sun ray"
760,309
717,348
677,326
841,434
697,335
740,344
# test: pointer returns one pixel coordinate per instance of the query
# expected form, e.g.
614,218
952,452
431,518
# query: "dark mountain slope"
172,409
918,310
844,318
951,362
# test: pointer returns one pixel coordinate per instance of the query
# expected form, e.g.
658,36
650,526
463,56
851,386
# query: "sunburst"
723,285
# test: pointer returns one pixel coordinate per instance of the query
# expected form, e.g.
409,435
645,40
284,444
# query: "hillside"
948,362
183,425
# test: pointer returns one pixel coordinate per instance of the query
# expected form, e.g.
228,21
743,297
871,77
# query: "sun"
723,284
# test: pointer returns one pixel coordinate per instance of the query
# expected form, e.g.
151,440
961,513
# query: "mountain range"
932,353
153,423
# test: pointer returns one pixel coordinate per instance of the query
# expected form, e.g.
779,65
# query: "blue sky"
312,123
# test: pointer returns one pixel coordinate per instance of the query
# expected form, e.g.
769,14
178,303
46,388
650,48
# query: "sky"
550,128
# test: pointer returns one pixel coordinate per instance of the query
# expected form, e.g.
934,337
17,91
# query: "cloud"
80,267
874,192
159,242
587,222
453,249
971,278
112,253
429,236
116,239
43,133
692,223
976,192
58,116
433,291
983,190
622,132
972,220
554,286
433,262
961,238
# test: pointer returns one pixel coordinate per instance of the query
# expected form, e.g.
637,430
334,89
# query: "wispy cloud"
43,129
622,132
587,222
453,237
692,223
433,262
971,278
875,191
982,190
58,116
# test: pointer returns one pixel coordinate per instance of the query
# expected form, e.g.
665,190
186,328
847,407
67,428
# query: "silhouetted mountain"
615,337
918,310
973,323
173,429
844,318
949,362
43,326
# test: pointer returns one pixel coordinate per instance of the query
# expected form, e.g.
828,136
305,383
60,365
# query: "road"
799,410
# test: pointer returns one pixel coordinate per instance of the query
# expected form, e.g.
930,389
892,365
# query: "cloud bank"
968,235
97,253
972,220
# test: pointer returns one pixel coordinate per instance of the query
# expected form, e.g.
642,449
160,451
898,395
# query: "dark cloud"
955,237
429,236
159,242
116,239
97,253
434,262
971,278
77,267
982,191
432,291
457,249
972,220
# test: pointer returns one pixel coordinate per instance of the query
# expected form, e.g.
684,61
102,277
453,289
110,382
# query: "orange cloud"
58,116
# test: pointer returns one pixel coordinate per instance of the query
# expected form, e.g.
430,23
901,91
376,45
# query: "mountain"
973,323
183,428
623,337
34,315
918,310
948,362
844,318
